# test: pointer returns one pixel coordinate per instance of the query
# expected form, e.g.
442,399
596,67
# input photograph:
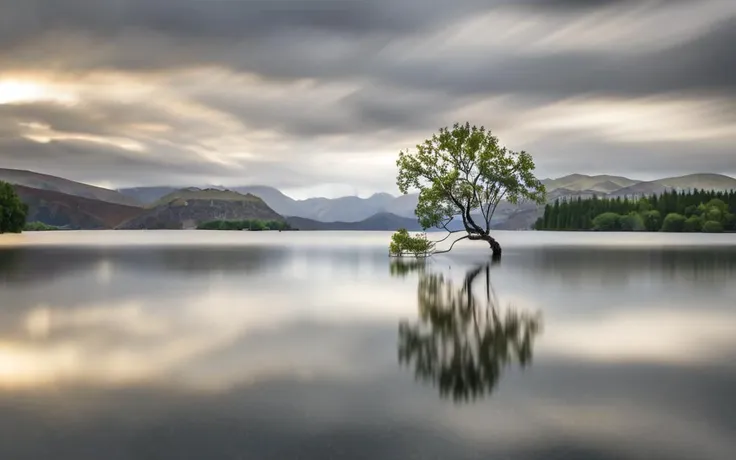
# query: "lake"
242,345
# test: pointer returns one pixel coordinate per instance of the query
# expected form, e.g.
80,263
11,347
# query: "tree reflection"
463,343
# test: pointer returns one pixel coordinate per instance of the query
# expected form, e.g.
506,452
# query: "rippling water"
217,345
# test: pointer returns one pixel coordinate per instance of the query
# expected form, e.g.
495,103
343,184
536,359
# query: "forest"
671,211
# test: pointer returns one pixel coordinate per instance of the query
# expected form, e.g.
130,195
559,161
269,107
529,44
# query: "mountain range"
62,202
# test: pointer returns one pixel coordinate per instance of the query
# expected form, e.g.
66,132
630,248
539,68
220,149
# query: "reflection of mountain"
461,343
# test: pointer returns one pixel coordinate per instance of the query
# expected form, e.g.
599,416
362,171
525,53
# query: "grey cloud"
85,160
706,63
366,109
576,5
225,19
558,155
399,90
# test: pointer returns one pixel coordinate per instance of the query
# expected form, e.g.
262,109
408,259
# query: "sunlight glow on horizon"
14,91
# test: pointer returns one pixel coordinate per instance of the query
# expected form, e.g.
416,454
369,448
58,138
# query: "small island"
248,225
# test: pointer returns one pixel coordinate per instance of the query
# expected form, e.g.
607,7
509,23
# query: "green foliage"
696,207
729,222
712,227
462,170
607,222
253,225
403,243
402,268
693,224
12,210
39,227
633,222
673,223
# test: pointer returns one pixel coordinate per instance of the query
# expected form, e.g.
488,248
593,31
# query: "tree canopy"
671,211
465,172
12,210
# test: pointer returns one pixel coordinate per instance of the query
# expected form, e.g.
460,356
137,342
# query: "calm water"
208,345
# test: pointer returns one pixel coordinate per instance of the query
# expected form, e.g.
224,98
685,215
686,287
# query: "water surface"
239,345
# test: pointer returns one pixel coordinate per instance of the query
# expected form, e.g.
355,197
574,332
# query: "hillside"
377,222
73,212
700,181
57,184
579,182
147,195
187,208
194,193
353,209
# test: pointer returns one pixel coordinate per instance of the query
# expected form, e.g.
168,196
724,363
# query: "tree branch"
449,234
452,245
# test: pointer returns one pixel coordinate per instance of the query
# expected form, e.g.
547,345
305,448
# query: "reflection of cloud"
651,335
119,342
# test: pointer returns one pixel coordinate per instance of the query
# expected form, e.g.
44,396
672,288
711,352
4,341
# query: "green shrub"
673,223
693,224
652,221
403,243
632,222
607,222
39,227
712,227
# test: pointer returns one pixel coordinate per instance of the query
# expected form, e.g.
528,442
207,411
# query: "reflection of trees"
402,268
462,343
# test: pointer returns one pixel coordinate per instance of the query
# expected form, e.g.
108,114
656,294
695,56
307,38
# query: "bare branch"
452,245
449,234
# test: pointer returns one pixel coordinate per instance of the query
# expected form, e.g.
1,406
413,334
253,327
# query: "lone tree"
465,172
12,210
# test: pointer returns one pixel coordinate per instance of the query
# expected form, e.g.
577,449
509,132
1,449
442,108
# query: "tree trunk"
495,247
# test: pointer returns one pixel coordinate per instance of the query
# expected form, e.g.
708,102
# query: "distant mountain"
688,182
344,209
356,210
282,204
578,182
57,184
377,222
189,207
73,212
147,195
700,181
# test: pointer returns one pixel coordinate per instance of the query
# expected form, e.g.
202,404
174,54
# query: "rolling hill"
147,195
73,212
57,184
189,207
340,212
578,182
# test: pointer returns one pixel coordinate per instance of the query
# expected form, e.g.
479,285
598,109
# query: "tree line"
672,211
253,225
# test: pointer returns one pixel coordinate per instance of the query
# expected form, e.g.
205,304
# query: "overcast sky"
317,97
